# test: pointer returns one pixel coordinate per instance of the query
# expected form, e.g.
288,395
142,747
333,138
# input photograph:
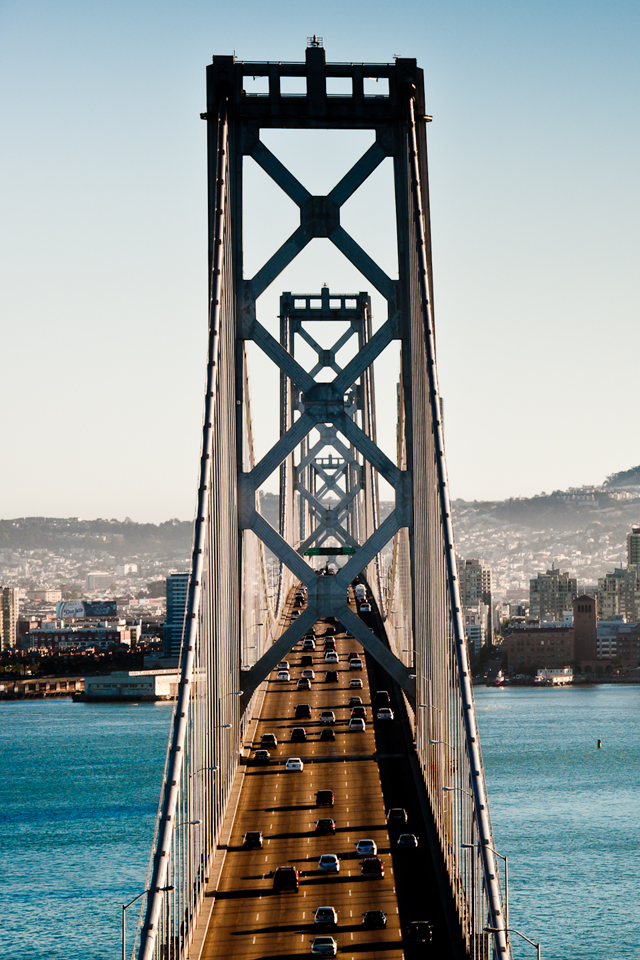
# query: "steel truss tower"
329,463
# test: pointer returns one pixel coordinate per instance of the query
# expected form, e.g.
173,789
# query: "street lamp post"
538,946
506,879
125,907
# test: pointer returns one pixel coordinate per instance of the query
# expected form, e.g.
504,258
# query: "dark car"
325,825
359,711
382,699
377,919
261,756
331,676
325,798
303,684
307,660
285,878
328,734
353,655
396,816
419,931
372,867
298,735
252,840
303,711
355,701
329,644
269,740
329,631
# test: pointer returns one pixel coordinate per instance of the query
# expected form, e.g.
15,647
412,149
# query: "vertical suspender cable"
473,743
178,737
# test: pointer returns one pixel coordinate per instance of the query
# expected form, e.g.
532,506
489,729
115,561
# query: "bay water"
80,786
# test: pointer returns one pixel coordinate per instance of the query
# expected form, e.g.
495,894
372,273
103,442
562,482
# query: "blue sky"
534,159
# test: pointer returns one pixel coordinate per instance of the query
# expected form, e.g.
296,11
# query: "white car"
308,674
365,608
324,947
327,716
355,664
283,675
357,725
294,763
356,683
385,713
331,657
283,665
366,848
326,917
329,863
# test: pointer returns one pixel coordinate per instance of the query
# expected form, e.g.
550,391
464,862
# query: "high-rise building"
476,616
619,594
8,617
551,594
177,590
475,589
633,547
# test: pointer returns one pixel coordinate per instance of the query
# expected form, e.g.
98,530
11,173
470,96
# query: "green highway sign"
330,552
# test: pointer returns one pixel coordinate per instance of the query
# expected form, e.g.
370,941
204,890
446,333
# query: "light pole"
200,770
538,946
506,879
125,907
459,789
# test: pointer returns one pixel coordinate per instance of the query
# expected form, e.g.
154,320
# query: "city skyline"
533,152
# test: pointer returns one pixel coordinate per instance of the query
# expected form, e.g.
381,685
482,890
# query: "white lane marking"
303,914
254,939
302,937
350,913
269,841
397,911
352,936
266,858
257,917
304,893
347,809
349,892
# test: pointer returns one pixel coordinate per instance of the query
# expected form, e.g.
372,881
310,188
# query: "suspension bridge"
381,592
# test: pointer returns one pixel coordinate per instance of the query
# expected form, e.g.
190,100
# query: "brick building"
539,647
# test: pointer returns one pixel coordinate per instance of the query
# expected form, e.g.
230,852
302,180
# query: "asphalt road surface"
249,919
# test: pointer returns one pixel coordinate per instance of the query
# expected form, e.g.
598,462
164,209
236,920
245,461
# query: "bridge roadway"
249,920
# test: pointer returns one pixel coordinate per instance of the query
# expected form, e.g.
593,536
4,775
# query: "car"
328,734
382,698
355,701
396,815
329,643
419,931
325,798
298,735
329,630
366,848
325,825
365,608
329,863
283,675
385,713
327,716
331,657
353,655
357,725
303,711
295,614
349,635
324,947
308,644
355,664
303,684
308,674
331,676
355,684
269,740
252,840
408,840
359,711
377,919
262,756
283,665
286,878
306,660
294,763
372,867
326,917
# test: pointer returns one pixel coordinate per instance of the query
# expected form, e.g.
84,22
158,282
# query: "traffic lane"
359,895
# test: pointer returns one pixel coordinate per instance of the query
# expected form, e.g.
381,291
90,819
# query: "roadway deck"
248,919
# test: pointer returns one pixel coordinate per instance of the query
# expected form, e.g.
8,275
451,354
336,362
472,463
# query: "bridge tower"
329,465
